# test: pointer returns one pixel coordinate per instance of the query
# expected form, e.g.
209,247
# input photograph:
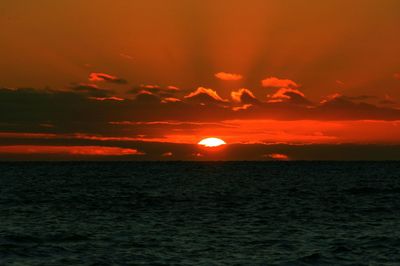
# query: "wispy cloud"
126,56
278,83
112,98
288,95
106,77
173,88
277,156
70,150
204,95
228,76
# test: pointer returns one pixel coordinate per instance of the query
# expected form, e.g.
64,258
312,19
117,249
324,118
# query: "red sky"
146,80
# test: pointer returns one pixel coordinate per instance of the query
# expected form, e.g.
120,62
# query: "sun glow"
211,142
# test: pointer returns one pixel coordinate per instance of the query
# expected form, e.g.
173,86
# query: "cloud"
338,106
91,90
112,98
70,150
340,83
148,97
106,77
173,88
340,96
243,107
388,100
162,92
204,95
27,135
361,97
167,154
279,83
72,112
228,76
277,156
330,97
126,56
288,95
170,100
235,152
150,86
243,96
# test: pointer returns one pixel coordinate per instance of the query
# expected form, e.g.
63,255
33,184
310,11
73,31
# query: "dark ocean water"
186,213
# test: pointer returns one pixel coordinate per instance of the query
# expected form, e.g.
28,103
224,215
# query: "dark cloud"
91,90
342,107
163,92
387,102
244,96
131,151
360,97
74,107
148,116
146,97
41,118
205,96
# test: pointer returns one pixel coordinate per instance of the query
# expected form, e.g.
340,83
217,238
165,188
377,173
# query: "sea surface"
192,213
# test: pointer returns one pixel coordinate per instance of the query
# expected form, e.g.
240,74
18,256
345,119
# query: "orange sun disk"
211,142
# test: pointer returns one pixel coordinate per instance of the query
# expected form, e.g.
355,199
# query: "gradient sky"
147,80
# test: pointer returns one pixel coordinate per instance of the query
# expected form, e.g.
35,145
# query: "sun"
211,142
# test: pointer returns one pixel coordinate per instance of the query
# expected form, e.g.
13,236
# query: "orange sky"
175,71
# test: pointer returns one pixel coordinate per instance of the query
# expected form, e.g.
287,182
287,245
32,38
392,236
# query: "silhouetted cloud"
288,95
75,109
162,92
145,96
388,100
204,95
106,77
91,90
70,150
338,106
243,96
152,151
72,118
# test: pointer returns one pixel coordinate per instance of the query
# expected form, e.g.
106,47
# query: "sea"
199,213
